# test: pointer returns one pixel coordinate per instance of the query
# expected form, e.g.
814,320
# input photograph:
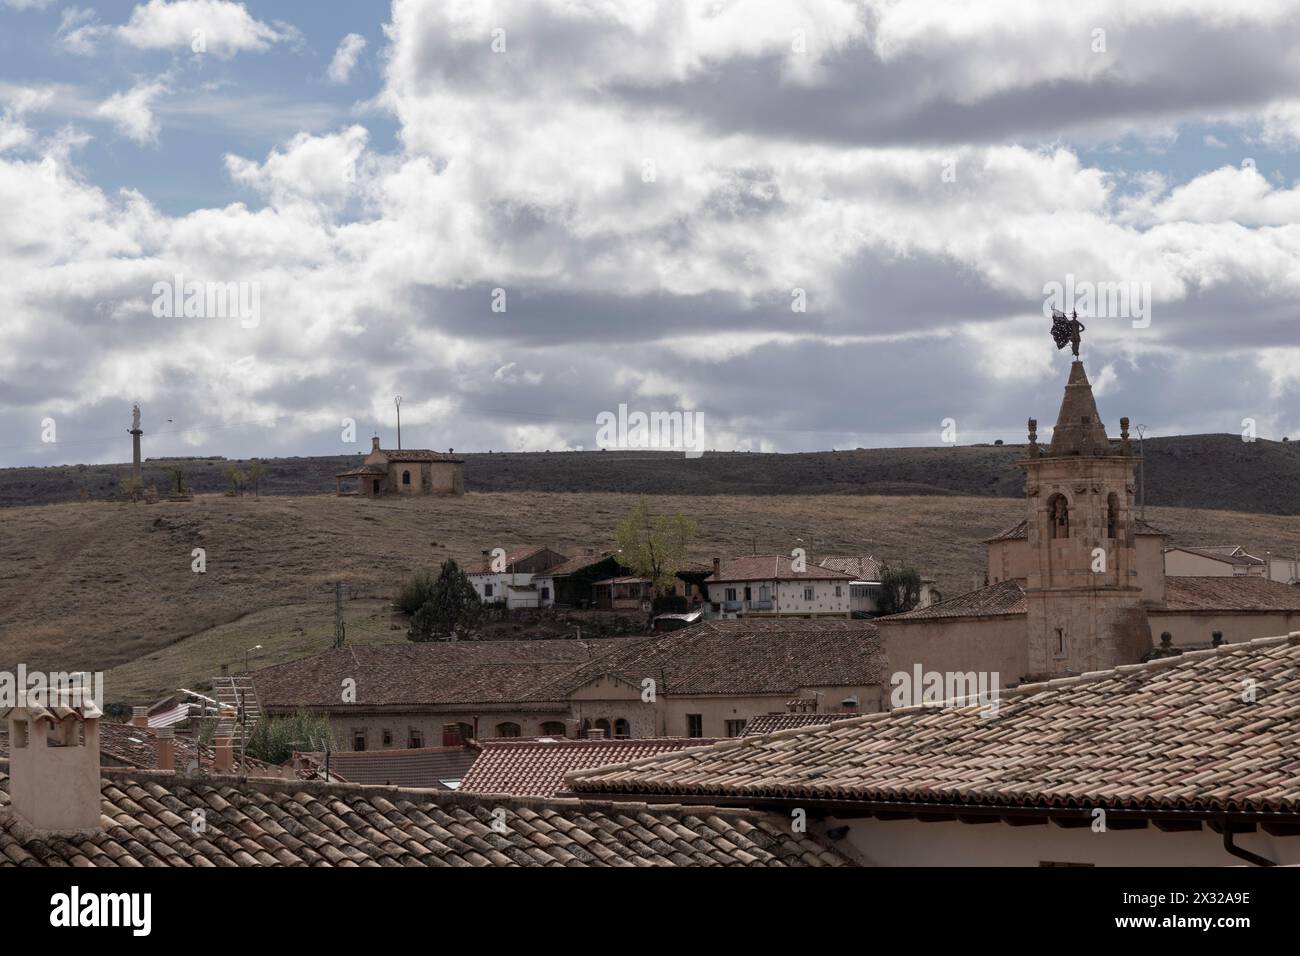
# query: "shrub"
275,739
415,593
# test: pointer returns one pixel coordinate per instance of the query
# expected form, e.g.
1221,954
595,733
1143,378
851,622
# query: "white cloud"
217,27
345,57
131,112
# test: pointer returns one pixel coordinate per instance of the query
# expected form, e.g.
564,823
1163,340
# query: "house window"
748,597
358,740
603,725
406,477
839,590
694,725
731,594
765,593
735,728
554,728
508,729
415,739
622,729
546,594
808,593
388,737
487,590
1060,640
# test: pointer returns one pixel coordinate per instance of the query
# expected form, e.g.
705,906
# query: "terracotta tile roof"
1173,733
771,723
748,655
147,821
1004,598
1228,593
425,767
536,768
484,566
743,656
573,565
418,454
1020,532
859,567
435,673
771,567
364,471
1228,555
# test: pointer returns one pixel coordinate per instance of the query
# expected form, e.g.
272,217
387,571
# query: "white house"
1217,561
508,578
770,585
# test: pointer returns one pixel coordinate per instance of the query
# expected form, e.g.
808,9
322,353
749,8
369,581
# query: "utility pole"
338,615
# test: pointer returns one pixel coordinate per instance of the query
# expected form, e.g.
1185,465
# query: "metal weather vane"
1067,330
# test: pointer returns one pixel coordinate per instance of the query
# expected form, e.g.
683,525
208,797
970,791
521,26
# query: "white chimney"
139,717
54,766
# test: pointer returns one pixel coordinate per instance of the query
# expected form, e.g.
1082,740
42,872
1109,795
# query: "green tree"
236,479
654,546
178,480
255,472
454,610
275,739
415,592
900,589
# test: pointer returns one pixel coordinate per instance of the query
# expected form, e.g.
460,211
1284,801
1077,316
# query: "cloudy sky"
818,224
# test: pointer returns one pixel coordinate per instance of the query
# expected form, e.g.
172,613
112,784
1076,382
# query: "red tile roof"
484,566
766,724
772,567
744,656
1228,555
147,819
1172,734
1004,598
418,454
860,567
536,768
1020,532
1236,593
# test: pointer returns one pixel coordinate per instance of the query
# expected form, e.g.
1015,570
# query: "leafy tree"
900,589
236,479
654,546
454,610
178,480
415,592
275,739
255,472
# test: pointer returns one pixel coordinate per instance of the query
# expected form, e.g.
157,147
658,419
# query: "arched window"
1058,511
1112,516
508,729
622,729
603,724
586,729
406,477
554,728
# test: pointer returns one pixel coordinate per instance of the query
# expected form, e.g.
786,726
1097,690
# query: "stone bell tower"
1085,609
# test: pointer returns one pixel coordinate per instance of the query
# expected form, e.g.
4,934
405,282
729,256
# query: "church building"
404,471
1080,585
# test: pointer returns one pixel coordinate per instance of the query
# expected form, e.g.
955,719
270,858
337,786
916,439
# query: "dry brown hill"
101,584
1189,471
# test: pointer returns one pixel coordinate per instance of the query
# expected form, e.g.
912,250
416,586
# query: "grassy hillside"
97,585
1190,471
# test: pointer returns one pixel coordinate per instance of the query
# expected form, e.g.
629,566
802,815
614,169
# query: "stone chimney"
225,754
166,748
717,567
374,443
54,766
596,733
139,717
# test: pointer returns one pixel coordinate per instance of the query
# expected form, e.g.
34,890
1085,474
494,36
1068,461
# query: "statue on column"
135,418
1067,329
